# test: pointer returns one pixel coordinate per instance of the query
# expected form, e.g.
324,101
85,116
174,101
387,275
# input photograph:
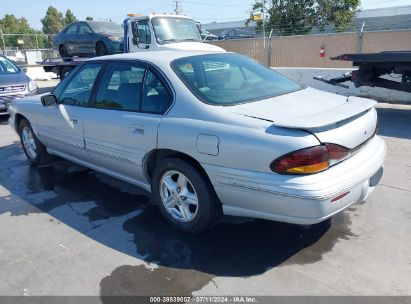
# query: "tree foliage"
88,18
9,24
69,17
53,22
299,17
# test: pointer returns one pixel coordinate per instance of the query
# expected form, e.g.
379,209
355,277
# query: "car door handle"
137,129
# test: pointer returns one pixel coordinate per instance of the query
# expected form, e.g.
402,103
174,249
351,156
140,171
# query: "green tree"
299,17
69,17
338,13
88,18
53,22
11,25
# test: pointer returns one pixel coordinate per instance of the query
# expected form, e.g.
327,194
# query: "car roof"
158,58
97,22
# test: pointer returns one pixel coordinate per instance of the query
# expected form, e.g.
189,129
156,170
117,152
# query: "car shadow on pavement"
124,218
394,122
4,119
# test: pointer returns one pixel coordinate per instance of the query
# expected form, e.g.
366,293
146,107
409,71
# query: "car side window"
84,29
120,87
78,89
144,34
72,29
156,97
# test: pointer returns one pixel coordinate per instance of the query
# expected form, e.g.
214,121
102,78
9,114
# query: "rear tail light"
337,153
305,161
310,160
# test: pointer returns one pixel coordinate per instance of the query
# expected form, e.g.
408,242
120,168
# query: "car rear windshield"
7,67
230,79
109,28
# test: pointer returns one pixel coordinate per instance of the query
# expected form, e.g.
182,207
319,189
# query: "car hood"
305,109
190,46
13,79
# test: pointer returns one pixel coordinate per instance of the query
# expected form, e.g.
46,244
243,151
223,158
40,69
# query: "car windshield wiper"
191,39
170,40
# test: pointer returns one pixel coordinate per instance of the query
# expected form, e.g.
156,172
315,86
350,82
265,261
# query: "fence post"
37,42
360,38
2,41
270,48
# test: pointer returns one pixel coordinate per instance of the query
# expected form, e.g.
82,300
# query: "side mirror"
48,100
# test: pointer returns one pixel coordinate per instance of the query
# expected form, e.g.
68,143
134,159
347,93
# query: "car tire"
63,52
101,49
208,208
35,151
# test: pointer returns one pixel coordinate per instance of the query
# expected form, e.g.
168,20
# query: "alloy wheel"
178,196
29,142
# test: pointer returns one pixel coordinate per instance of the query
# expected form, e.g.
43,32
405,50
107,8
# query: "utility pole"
178,9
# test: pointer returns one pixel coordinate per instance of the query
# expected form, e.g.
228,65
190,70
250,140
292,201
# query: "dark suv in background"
89,38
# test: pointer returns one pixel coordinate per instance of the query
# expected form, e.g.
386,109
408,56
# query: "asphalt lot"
66,230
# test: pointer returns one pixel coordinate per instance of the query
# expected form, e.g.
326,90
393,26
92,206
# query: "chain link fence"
27,49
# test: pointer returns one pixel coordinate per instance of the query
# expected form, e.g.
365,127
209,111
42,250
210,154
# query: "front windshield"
230,79
7,67
109,28
172,29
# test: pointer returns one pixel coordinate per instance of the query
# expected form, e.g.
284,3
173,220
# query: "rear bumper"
300,199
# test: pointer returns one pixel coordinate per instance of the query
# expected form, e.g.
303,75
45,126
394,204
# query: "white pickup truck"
163,32
147,33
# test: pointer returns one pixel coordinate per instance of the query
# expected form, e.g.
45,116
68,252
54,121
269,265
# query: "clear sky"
204,11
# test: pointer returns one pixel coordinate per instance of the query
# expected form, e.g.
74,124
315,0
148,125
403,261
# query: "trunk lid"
346,121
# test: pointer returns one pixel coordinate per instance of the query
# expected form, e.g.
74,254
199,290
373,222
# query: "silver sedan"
209,134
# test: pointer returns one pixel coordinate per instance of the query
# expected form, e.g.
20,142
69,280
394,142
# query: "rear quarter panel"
238,146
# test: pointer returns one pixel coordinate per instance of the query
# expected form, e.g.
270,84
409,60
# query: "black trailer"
373,66
61,66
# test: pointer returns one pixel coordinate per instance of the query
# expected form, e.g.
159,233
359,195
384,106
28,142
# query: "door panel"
61,126
140,29
118,140
70,39
117,134
62,130
86,39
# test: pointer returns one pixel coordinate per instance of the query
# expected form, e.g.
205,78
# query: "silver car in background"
209,134
14,84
